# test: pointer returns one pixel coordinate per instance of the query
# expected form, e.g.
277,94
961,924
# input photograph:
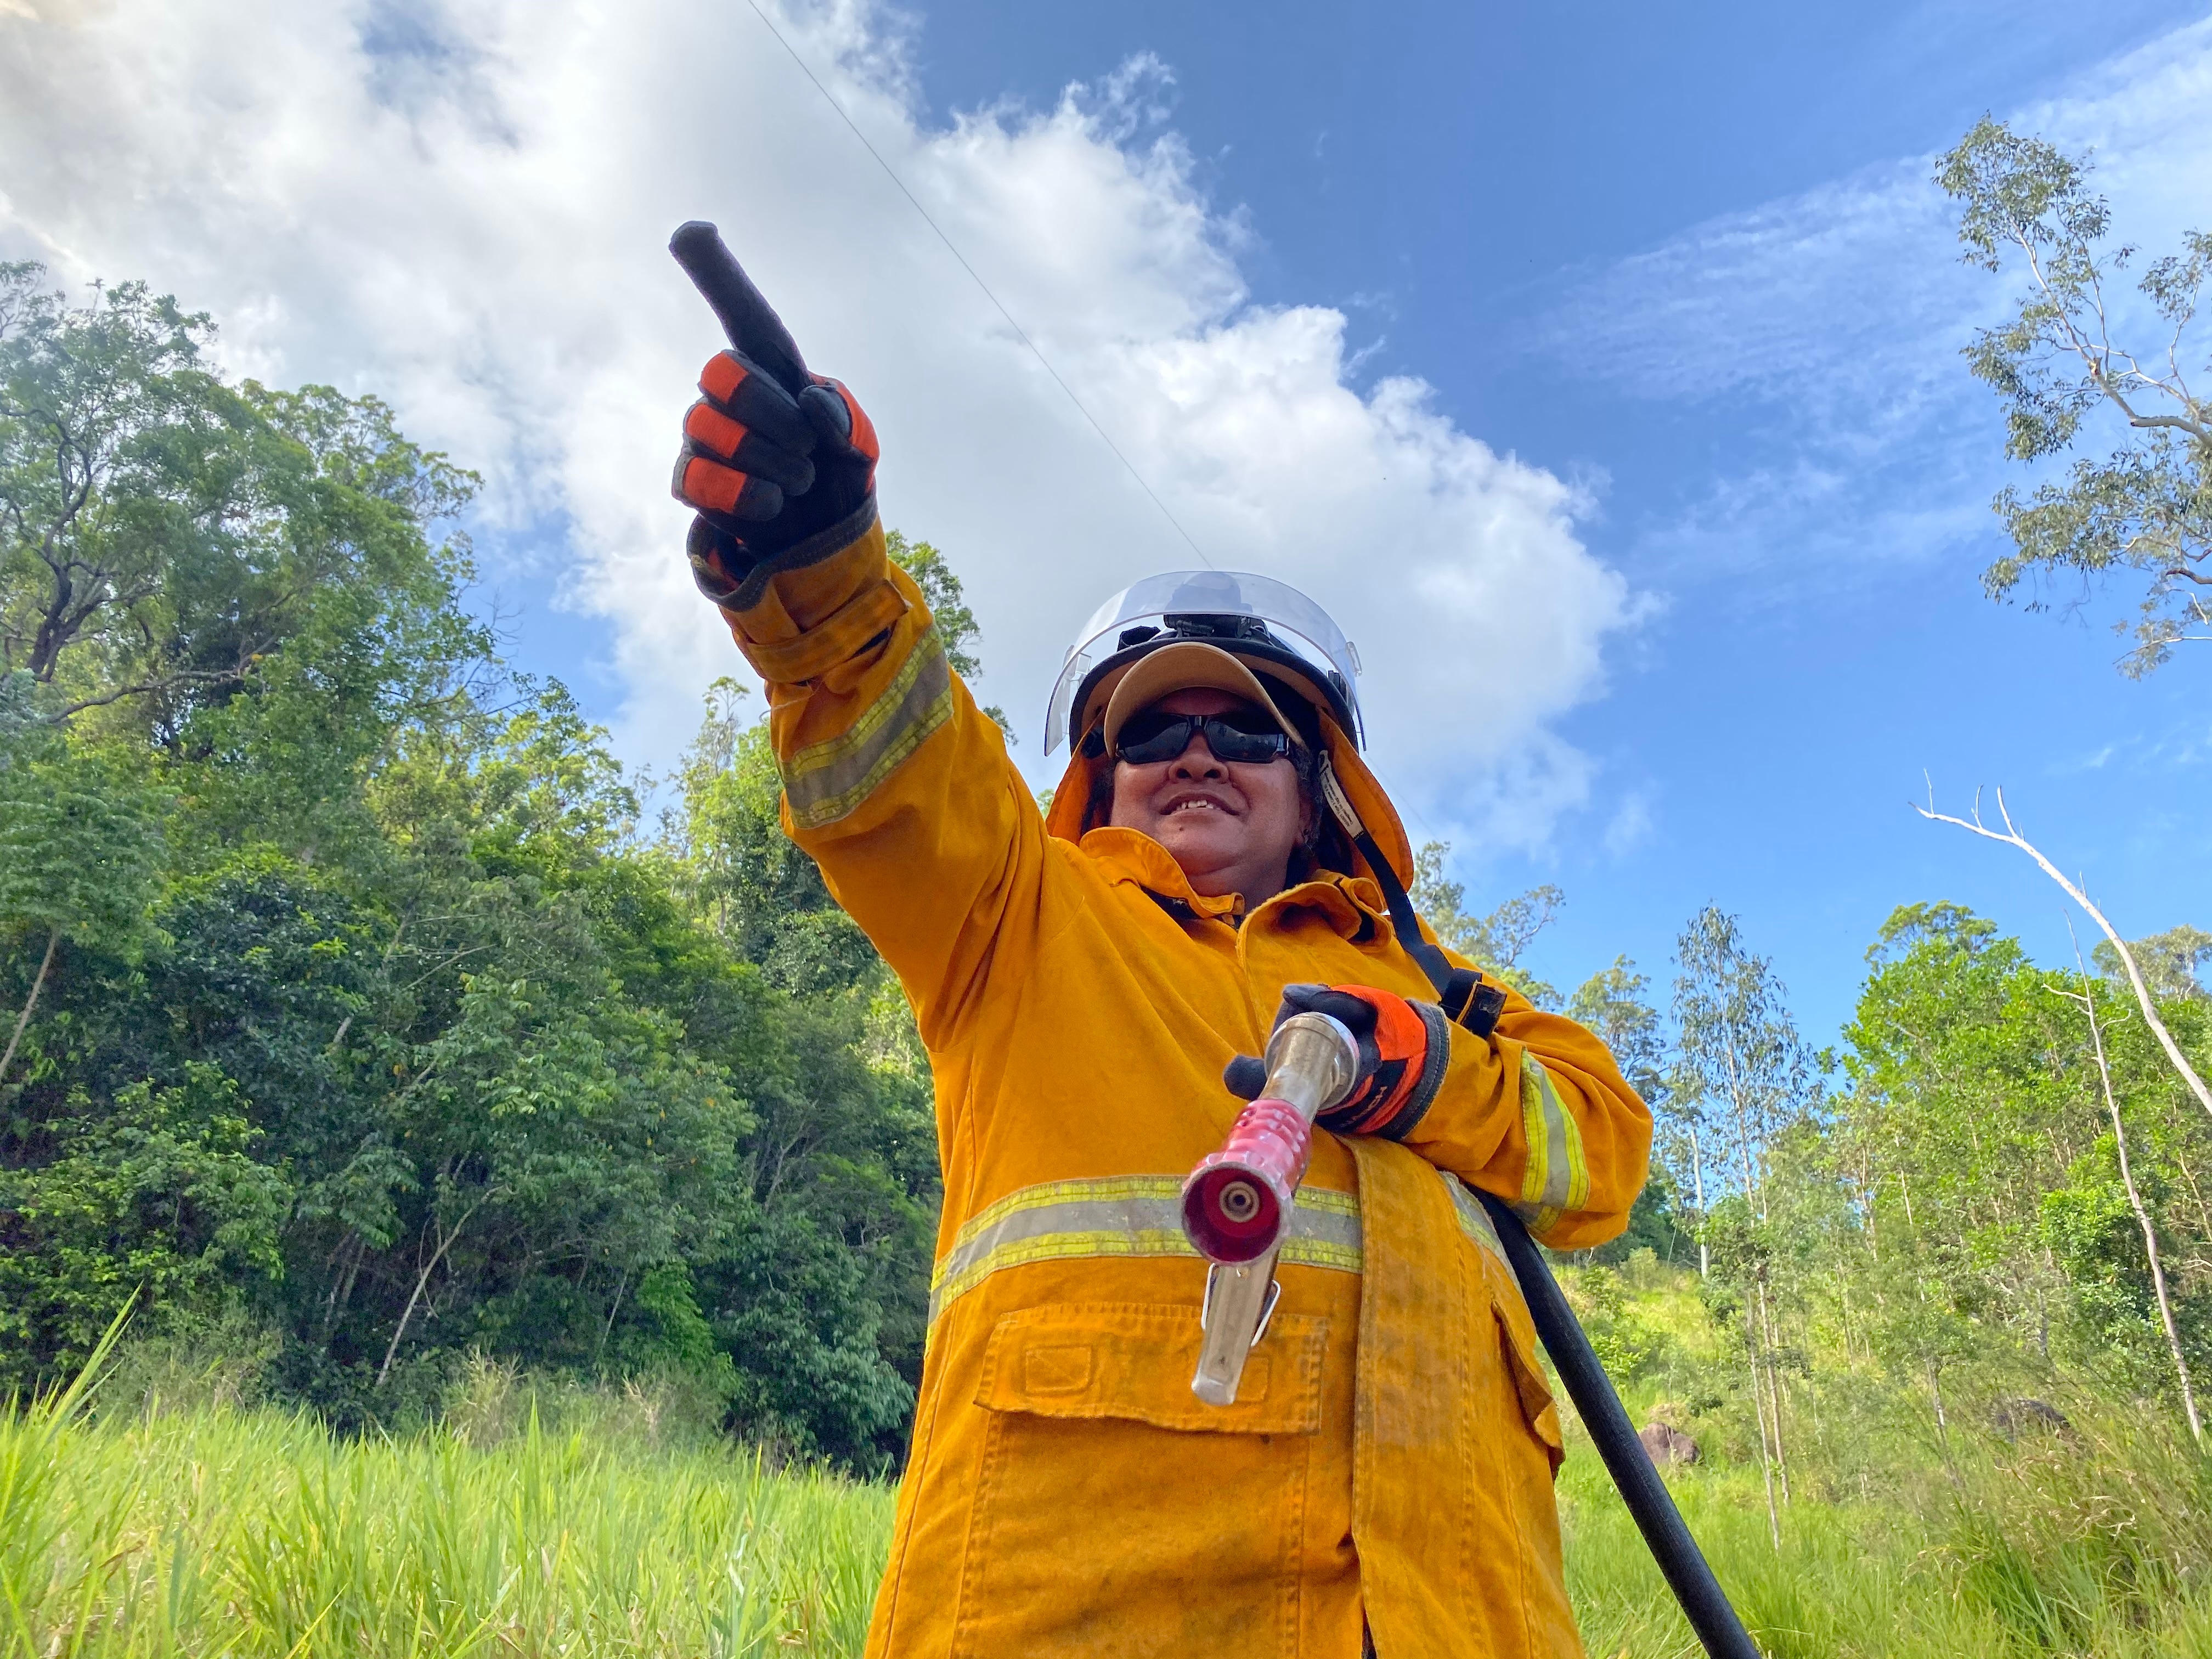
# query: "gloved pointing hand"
779,463
1404,1047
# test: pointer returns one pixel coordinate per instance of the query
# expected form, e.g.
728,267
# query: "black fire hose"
1646,1495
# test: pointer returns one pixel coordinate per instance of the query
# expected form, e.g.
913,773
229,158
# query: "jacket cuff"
798,601
1435,1058
837,638
824,543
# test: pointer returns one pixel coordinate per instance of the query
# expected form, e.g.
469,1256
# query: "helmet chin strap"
1461,992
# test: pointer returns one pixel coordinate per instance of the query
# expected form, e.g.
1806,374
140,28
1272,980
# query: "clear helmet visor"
1294,621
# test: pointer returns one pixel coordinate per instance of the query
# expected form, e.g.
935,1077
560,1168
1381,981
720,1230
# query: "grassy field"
212,1528
221,1531
1863,1581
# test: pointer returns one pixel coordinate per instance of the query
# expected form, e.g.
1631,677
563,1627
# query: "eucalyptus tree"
1611,1004
1745,1074
1738,1046
2076,346
2172,962
1495,942
1614,1003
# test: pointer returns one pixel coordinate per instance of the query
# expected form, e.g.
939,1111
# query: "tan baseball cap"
1187,664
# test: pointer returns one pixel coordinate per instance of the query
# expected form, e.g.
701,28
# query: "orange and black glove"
1404,1047
778,462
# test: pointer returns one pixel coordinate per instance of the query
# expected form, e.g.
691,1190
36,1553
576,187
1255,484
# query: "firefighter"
1217,853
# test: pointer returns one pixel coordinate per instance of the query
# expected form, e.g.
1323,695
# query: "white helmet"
1275,630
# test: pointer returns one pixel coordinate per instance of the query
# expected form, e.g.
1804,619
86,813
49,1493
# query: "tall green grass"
249,1532
2016,1555
1906,1537
584,1525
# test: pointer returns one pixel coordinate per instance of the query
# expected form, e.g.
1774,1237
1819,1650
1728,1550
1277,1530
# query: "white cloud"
1819,298
1630,826
464,206
1833,319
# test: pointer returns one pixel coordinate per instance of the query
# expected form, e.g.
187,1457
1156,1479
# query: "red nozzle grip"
1237,1204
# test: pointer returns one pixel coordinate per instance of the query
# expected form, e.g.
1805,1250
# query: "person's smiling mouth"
1193,802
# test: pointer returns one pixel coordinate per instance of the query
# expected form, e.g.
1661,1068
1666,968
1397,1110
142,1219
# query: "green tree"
763,895
166,532
2025,1172
2172,962
1611,1003
1495,943
843,1160
1740,1056
948,606
156,1197
348,1000
1745,1079
78,859
2146,507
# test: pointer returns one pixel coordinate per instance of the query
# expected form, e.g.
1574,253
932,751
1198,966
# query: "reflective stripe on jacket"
1390,1452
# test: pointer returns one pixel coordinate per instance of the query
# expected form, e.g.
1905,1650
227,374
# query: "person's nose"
1197,761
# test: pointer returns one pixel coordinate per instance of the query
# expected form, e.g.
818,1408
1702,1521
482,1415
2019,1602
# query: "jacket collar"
1352,905
1133,856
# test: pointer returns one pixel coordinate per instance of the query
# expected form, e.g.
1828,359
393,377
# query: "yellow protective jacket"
1391,1450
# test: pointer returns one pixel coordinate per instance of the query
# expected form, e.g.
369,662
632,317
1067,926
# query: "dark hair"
1099,809
1323,846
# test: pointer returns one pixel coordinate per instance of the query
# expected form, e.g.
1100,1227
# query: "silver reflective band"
1134,1216
826,780
1124,1216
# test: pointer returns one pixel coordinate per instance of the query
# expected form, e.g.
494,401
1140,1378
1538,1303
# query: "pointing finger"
746,317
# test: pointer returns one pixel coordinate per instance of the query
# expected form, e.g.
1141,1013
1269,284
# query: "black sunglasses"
1241,737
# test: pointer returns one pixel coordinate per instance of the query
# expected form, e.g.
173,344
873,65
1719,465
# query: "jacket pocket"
1518,1335
1134,1361
1116,1513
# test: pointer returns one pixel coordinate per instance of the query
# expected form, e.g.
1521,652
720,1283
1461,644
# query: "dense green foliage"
352,1004
1968,1255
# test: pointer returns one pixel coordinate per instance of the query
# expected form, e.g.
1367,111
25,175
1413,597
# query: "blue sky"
1595,364
1457,182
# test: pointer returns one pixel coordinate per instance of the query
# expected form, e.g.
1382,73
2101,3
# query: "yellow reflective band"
1557,1179
825,781
1122,1217
1474,1222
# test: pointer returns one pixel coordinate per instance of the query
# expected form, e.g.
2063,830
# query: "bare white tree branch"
2011,837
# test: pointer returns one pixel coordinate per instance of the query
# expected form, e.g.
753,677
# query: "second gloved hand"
1404,1047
